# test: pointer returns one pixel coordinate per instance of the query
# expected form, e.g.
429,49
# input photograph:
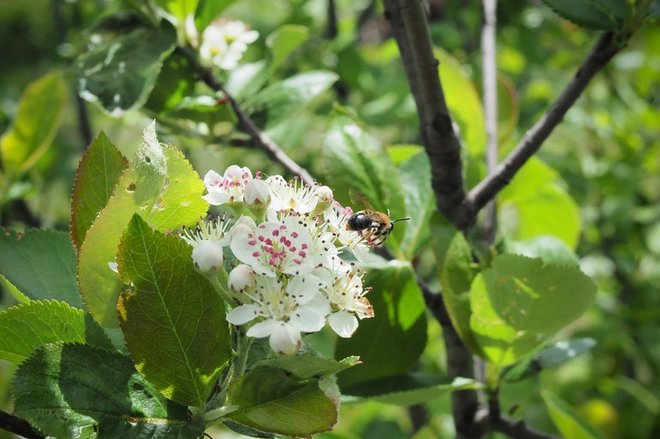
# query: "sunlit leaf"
519,302
284,41
172,319
97,175
28,326
80,391
35,125
209,10
41,264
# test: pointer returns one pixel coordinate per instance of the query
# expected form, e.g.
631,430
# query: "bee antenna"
401,219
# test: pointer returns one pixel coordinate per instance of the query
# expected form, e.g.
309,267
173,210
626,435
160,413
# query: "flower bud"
207,255
256,192
242,277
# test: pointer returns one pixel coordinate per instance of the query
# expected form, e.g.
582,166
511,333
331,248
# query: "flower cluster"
291,248
224,42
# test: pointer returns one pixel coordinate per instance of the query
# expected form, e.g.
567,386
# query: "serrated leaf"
415,176
592,14
456,271
37,121
28,326
564,418
305,366
98,173
41,264
519,302
170,302
270,399
166,203
551,356
119,74
73,391
399,324
283,42
536,204
409,389
354,159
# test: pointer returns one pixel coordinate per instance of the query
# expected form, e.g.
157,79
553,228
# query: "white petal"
263,329
284,339
243,314
307,320
320,304
216,198
343,323
212,179
242,277
208,255
249,254
303,288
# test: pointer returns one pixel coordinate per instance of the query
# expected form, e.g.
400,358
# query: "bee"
372,225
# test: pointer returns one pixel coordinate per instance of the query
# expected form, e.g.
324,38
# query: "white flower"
224,43
285,312
208,241
256,192
346,295
227,188
242,277
275,247
336,218
286,196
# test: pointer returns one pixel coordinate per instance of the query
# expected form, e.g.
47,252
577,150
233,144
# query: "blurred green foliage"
605,155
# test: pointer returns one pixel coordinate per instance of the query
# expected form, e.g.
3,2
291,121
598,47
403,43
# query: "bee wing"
358,198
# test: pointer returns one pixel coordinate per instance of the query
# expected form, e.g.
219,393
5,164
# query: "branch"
489,73
18,426
410,29
486,190
260,139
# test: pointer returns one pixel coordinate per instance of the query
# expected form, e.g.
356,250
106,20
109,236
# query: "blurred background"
604,160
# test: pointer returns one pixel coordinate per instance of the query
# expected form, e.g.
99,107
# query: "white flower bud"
242,277
325,194
256,192
207,255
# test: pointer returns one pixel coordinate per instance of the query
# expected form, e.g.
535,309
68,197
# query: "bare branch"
601,54
18,426
410,29
260,139
489,69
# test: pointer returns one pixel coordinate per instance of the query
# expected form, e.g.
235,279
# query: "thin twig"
410,29
259,138
18,426
486,190
489,73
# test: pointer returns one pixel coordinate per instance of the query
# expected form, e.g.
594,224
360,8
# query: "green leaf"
96,177
28,326
536,204
399,324
270,399
175,82
551,356
305,366
465,107
35,126
283,42
179,8
79,391
170,302
401,153
592,14
408,389
167,199
456,271
415,176
119,74
283,99
354,159
41,264
519,302
209,10
564,418
548,248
